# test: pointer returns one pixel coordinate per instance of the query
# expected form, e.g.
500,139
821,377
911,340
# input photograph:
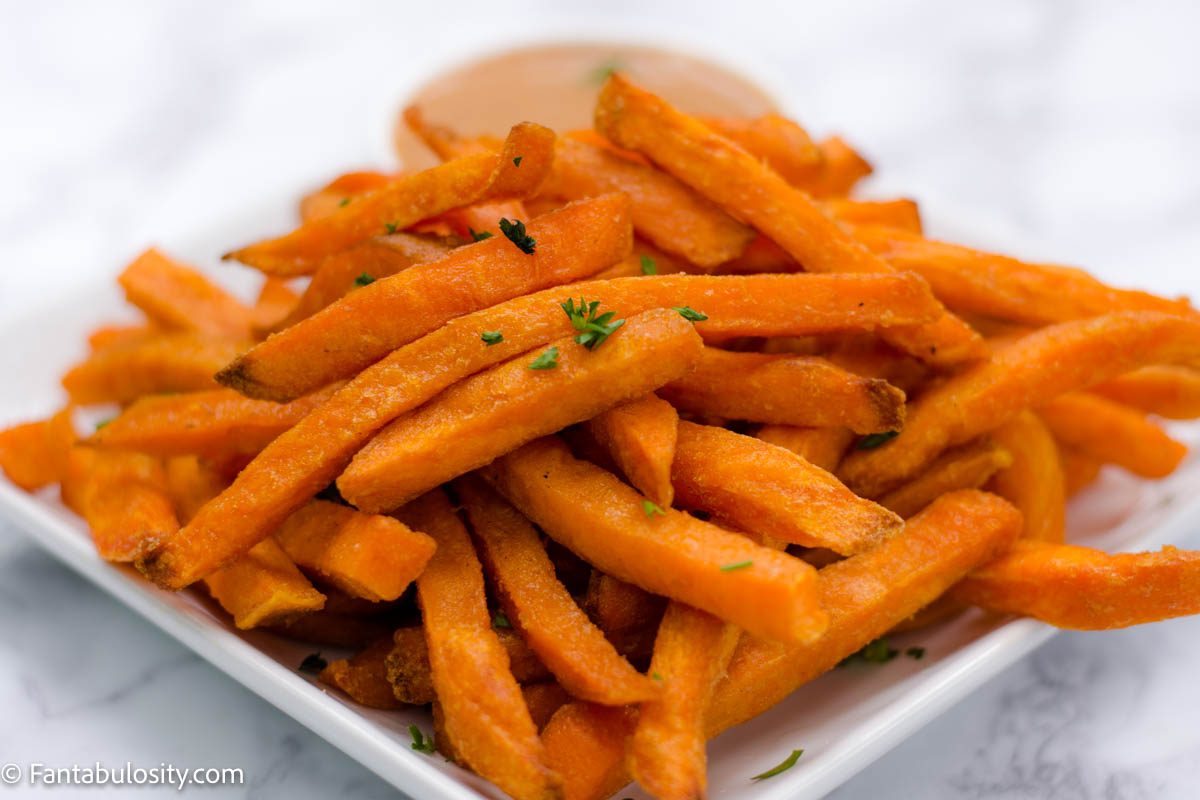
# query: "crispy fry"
369,323
496,411
616,606
664,211
901,214
444,141
1086,589
110,335
408,200
556,629
485,715
339,192
842,167
332,629
123,497
26,455
781,143
752,192
865,595
1112,433
998,286
1034,370
215,422
966,467
640,437
1079,470
672,554
1034,481
543,699
363,676
767,490
667,749
1170,392
180,362
263,587
364,555
275,301
787,390
180,298
821,447
303,460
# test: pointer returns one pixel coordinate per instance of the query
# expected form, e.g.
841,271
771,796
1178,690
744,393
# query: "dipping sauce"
556,85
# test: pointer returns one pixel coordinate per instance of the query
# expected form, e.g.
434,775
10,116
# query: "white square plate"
843,721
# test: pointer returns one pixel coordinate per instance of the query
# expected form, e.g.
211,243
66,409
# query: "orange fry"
1034,481
842,167
640,437
764,489
821,447
1112,433
1170,392
781,143
180,298
263,587
1079,470
805,391
966,467
275,301
27,457
901,214
407,200
339,192
124,498
1085,589
616,606
180,362
363,676
663,551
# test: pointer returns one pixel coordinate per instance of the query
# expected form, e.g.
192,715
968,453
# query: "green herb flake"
736,565
648,265
873,440
104,422
656,676
594,328
783,766
915,653
874,652
363,280
479,236
515,231
601,73
391,226
690,314
547,360
313,662
650,508
420,742
345,202
491,337
517,161
500,621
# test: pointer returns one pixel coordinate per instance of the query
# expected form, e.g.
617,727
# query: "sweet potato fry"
339,192
1079,470
865,595
761,255
672,553
215,422
180,362
764,489
841,168
496,411
1034,481
664,211
751,192
367,324
26,455
1034,370
446,143
543,699
275,301
1112,433
408,200
646,259
781,143
332,629
691,652
1170,392
536,603
125,502
640,438
485,715
263,587
786,390
616,606
364,555
821,447
362,264
1085,589
110,335
180,298
303,460
966,467
901,214
363,676
997,286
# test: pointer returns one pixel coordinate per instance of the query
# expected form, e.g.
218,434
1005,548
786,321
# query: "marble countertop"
1073,124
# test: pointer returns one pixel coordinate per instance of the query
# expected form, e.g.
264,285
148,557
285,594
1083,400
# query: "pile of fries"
657,420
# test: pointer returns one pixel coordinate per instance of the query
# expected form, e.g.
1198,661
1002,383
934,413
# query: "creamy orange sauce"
556,86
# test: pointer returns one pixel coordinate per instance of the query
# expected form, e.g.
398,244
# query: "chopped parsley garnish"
873,440
690,314
491,337
345,202
517,161
363,280
877,651
650,508
515,231
391,226
594,329
547,360
736,565
500,621
313,663
648,265
783,766
420,742
103,422
656,676
916,653
600,74
479,236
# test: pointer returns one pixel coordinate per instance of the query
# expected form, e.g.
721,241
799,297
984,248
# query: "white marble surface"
1074,123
